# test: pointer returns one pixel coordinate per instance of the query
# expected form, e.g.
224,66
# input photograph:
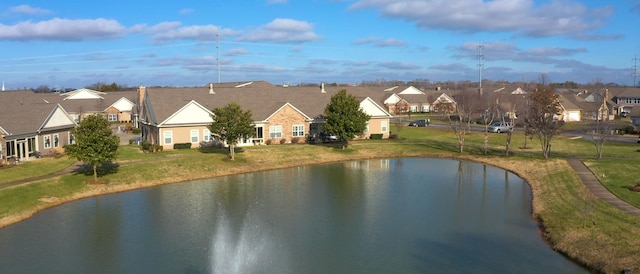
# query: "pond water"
411,215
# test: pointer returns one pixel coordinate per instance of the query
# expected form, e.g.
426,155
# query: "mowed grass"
34,168
577,224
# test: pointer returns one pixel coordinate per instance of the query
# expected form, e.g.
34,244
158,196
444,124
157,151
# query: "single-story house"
31,126
281,114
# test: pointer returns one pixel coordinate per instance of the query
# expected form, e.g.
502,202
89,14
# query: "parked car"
419,123
328,137
624,114
499,127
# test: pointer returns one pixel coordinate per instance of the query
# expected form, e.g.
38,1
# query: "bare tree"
511,105
544,108
488,115
460,121
600,135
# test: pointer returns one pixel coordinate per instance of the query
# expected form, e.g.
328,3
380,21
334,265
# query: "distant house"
411,99
281,114
634,114
625,98
117,106
34,124
585,105
31,126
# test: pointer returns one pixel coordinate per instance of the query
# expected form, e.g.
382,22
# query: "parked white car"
500,127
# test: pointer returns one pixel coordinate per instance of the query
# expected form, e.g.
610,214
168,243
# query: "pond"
411,215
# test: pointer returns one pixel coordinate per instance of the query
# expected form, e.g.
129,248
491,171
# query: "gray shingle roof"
262,98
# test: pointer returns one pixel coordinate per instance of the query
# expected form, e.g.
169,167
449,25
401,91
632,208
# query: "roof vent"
211,89
322,88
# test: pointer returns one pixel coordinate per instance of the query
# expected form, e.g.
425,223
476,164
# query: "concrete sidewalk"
593,184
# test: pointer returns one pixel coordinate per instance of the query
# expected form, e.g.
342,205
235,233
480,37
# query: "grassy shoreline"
585,229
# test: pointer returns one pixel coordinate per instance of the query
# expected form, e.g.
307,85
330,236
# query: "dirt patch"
47,199
635,188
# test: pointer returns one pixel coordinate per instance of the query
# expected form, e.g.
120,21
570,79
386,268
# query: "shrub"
297,140
157,148
268,141
211,144
135,130
629,130
283,141
182,146
394,137
376,136
132,141
146,146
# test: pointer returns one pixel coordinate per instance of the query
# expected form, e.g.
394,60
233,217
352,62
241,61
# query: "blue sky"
180,43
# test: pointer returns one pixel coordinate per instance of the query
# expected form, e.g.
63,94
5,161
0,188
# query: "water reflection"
377,216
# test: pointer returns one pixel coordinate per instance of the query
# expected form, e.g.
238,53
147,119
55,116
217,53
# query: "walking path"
593,184
76,167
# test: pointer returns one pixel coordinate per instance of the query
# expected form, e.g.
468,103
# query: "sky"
191,43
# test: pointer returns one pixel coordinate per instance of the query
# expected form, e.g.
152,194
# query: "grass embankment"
577,224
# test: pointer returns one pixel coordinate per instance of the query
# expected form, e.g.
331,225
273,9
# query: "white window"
56,140
298,130
168,137
366,129
194,136
75,117
47,141
383,126
206,135
275,132
112,117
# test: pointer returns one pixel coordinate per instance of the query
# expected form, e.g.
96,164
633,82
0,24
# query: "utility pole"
480,58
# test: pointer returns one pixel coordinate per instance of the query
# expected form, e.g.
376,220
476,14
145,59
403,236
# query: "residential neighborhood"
39,124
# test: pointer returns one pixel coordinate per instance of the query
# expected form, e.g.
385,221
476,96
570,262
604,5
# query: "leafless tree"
460,120
488,115
544,108
600,135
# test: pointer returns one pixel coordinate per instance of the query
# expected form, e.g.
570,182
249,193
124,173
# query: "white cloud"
552,51
367,40
186,11
399,65
283,30
173,30
237,51
26,9
63,30
391,43
520,17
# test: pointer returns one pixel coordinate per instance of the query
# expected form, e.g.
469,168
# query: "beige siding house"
31,126
280,114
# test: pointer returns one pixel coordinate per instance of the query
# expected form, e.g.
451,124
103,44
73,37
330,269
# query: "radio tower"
635,70
480,66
